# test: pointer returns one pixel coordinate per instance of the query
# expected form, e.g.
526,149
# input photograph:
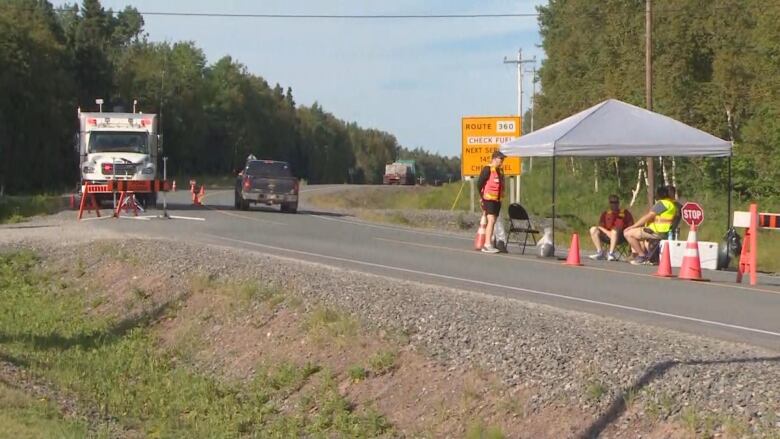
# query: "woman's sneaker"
489,249
613,256
639,260
598,256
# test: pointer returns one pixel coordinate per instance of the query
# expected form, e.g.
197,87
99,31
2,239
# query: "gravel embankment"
561,355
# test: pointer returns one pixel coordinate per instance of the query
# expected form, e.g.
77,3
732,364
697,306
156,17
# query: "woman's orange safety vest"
493,186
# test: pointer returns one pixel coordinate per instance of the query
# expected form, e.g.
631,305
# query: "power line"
657,11
325,16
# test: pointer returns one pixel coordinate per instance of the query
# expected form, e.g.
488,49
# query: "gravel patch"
563,357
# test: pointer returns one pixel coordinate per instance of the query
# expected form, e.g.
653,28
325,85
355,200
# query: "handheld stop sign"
692,214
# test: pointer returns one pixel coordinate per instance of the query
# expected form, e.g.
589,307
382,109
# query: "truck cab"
118,146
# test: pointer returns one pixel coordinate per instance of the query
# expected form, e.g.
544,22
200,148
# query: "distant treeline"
213,116
716,66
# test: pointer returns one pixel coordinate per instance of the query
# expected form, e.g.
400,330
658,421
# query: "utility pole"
533,107
649,90
515,197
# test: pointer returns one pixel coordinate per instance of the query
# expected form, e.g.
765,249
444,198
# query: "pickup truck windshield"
261,168
116,141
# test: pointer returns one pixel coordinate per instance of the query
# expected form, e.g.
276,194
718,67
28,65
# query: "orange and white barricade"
126,189
752,221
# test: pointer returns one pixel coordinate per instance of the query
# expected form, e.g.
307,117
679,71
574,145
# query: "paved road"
719,308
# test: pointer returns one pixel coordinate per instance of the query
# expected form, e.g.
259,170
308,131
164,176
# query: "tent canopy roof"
615,128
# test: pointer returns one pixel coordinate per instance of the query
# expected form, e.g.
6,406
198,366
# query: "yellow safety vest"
663,222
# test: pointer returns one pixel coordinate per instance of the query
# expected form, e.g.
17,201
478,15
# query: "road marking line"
584,267
394,229
507,287
191,218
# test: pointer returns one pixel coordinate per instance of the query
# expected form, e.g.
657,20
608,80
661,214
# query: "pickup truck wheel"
289,207
244,204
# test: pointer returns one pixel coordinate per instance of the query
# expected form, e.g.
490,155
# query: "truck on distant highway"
400,172
118,146
267,182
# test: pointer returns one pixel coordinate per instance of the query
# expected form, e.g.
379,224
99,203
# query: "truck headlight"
88,169
148,170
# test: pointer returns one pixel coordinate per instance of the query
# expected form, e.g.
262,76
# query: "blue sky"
413,78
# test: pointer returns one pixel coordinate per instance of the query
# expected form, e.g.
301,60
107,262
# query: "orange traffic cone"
479,240
665,265
691,264
173,186
574,251
201,194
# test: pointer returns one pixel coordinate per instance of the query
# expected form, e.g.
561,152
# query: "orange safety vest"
493,186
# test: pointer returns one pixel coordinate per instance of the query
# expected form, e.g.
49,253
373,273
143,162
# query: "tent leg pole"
728,213
553,205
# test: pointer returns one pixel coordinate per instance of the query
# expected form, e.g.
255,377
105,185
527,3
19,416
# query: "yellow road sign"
481,135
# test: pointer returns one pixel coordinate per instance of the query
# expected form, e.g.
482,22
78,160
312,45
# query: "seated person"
674,231
610,229
652,226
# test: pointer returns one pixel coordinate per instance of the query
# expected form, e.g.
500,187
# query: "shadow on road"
656,371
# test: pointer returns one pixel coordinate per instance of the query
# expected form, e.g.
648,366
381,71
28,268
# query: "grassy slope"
125,375
14,209
22,416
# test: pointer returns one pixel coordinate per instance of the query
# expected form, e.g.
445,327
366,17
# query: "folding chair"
520,224
623,249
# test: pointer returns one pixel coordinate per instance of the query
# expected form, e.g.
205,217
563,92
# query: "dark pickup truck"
267,182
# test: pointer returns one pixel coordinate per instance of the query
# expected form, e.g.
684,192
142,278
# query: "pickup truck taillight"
107,168
247,183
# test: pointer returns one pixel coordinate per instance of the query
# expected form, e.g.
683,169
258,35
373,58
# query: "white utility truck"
119,146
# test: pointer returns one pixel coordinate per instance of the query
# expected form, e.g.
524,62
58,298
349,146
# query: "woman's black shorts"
491,207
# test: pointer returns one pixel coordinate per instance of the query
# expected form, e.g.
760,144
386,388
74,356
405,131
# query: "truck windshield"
260,168
114,141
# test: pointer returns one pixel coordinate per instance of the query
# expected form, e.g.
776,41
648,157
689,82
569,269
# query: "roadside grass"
396,197
22,417
122,373
383,362
16,209
357,373
328,325
242,292
477,430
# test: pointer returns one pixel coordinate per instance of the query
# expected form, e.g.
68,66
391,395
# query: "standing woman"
491,188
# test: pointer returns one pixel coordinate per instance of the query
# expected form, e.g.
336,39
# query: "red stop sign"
692,214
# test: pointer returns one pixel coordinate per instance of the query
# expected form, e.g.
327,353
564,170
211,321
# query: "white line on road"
191,218
508,287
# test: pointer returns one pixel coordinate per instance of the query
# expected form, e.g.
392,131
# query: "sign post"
692,214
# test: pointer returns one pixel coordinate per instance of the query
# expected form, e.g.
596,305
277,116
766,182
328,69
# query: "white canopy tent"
616,129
